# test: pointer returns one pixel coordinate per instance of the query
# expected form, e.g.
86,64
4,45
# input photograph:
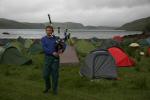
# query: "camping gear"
16,44
35,48
134,45
4,41
148,51
95,41
142,53
84,47
121,58
127,41
144,42
25,43
28,43
99,64
10,55
69,56
118,38
21,40
109,43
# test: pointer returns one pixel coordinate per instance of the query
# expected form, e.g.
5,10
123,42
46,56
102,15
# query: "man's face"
49,31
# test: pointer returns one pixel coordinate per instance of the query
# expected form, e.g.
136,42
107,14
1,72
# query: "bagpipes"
60,42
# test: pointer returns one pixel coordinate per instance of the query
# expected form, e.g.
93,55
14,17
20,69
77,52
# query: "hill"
137,25
11,24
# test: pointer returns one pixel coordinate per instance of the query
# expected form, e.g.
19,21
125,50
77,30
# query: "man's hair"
51,27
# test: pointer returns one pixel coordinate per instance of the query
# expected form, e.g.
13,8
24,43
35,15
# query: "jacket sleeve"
45,48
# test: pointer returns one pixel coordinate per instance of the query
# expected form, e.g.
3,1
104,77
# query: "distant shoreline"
72,30
79,33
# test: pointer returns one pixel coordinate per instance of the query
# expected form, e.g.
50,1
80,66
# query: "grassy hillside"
11,24
138,25
25,82
8,24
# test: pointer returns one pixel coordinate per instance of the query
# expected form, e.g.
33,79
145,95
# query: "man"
51,66
65,34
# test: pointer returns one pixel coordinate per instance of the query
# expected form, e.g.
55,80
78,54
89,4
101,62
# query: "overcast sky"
87,12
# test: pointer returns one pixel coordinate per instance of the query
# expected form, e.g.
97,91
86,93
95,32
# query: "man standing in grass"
51,66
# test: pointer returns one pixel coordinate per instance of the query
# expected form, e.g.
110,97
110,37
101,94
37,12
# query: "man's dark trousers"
51,71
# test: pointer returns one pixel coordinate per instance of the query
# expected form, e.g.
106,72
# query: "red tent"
118,38
121,58
148,51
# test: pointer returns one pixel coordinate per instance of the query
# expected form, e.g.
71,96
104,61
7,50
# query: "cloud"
91,4
88,12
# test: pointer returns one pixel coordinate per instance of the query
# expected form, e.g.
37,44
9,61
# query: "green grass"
25,82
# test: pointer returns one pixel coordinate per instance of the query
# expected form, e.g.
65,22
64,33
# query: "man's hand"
56,54
60,51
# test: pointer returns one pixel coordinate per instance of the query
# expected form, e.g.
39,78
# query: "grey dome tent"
12,56
99,64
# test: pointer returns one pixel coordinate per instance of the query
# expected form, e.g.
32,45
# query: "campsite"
74,50
104,69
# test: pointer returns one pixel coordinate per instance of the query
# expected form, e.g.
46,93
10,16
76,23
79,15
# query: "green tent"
10,55
83,47
35,48
21,40
28,43
107,43
16,44
95,41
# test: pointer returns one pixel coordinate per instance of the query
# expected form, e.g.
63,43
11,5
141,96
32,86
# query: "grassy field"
25,82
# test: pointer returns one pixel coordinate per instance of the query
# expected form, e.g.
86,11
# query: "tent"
127,41
94,39
83,47
134,45
99,64
10,55
69,56
144,42
16,44
35,48
121,58
21,40
28,43
118,38
109,43
4,41
148,51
